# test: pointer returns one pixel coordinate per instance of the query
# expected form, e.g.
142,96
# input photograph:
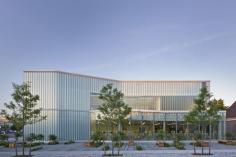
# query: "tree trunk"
112,144
30,149
119,149
104,147
16,148
209,148
194,148
119,130
199,127
111,136
23,129
112,150
119,146
210,138
23,138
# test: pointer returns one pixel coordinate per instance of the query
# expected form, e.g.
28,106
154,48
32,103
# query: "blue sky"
122,39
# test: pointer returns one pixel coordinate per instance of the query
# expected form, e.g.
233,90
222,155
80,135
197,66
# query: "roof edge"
97,77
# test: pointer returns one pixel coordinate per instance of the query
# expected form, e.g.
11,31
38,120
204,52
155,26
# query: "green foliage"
106,147
197,143
219,104
197,136
97,144
69,142
52,137
177,137
230,136
36,148
167,145
113,112
179,145
53,142
3,137
168,136
205,111
97,138
117,137
33,140
139,147
22,110
160,134
118,144
31,137
122,135
33,144
113,109
5,127
22,107
4,143
40,137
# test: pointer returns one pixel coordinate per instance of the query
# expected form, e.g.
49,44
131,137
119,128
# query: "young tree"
160,138
204,114
22,110
113,113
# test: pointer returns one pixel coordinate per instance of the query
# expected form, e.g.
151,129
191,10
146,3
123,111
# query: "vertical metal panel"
65,99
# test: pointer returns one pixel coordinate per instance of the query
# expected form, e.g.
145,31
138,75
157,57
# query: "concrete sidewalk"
144,153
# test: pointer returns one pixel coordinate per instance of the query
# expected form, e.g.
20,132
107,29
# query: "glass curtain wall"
145,125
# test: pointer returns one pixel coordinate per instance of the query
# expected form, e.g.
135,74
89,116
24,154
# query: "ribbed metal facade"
68,98
65,99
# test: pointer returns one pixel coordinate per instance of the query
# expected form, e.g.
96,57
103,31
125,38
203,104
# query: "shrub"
36,148
97,138
3,137
117,139
176,141
197,136
106,147
4,143
53,142
160,135
198,144
179,145
167,145
39,137
97,144
169,136
116,144
33,144
178,137
52,137
230,136
69,142
139,147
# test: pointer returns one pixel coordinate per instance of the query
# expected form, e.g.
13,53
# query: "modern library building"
70,102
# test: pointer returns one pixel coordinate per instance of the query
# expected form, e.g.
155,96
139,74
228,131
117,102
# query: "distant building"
231,118
2,120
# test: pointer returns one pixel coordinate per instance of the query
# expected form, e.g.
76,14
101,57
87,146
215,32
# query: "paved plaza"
150,150
144,153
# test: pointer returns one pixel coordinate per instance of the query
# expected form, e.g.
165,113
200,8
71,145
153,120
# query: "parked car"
11,132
